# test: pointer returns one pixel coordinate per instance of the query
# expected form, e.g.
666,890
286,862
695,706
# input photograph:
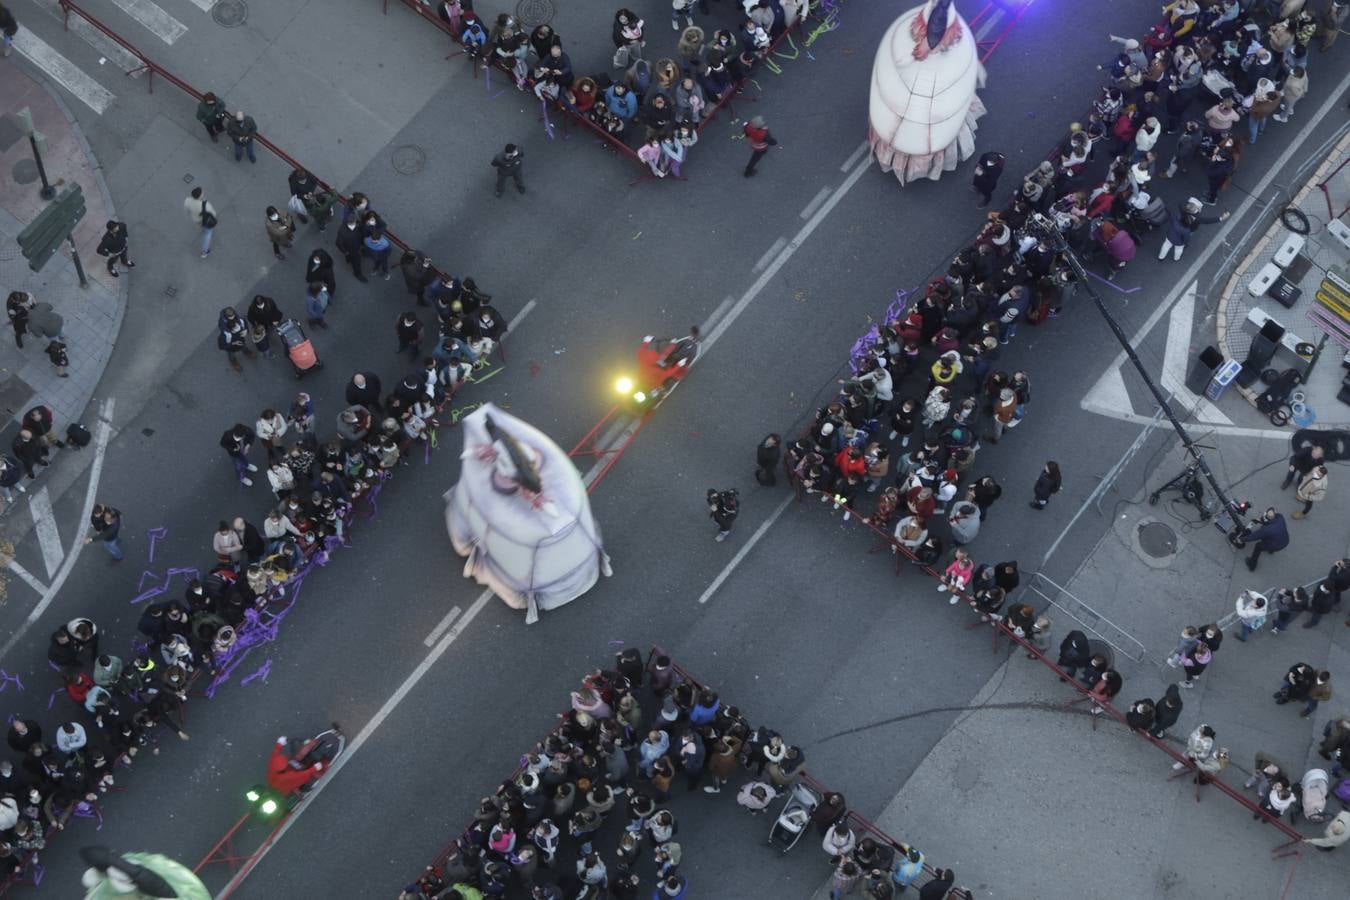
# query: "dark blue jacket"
1273,535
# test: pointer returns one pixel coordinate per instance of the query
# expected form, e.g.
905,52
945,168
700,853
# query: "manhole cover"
533,13
25,171
409,159
229,13
1157,540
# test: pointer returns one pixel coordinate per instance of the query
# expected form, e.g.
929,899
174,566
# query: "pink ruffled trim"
910,167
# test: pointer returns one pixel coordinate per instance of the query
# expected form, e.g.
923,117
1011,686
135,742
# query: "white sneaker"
252,467
1177,767
674,26
712,789
953,601
942,588
246,482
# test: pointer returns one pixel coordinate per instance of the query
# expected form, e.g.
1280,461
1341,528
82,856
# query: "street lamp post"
35,140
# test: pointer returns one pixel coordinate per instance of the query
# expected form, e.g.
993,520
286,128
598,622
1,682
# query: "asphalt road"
809,634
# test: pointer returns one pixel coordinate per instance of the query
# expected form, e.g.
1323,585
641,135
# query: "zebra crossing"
145,23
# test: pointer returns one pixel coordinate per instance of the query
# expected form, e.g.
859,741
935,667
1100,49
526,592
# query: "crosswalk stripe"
153,19
203,5
44,523
63,71
112,51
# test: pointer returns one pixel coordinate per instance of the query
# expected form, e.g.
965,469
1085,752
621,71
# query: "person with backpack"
203,214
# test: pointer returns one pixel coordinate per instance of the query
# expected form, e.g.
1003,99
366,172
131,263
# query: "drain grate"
25,171
1157,540
229,13
533,13
409,159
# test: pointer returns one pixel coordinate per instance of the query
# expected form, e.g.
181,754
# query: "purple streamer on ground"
86,810
7,679
548,126
51,701
154,536
262,672
861,347
38,871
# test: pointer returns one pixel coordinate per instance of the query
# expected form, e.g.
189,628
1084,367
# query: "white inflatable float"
521,515
923,107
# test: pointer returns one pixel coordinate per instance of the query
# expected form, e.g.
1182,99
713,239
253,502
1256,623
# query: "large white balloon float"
923,107
521,515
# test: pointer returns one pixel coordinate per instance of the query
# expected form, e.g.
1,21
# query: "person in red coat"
286,776
849,461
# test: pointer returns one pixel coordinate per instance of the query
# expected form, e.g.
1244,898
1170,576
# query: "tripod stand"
1191,489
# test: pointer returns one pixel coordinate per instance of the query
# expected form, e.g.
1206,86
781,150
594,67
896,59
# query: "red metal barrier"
427,14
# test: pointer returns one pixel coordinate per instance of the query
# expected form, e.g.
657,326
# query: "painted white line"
25,576
1090,402
153,19
762,281
520,316
111,51
854,156
44,523
989,25
439,630
360,740
768,256
63,71
1270,434
749,545
625,433
717,313
203,5
1175,358
818,199
103,433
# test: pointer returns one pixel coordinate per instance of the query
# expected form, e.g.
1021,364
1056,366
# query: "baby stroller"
1314,789
298,348
796,815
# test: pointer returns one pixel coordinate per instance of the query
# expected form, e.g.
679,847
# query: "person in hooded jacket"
1074,653
1184,223
319,268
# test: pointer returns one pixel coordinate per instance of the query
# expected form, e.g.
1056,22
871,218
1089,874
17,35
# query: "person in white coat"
203,214
1252,609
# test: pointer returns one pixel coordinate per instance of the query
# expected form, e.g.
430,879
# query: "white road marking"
854,156
103,433
749,545
520,316
112,51
1090,401
153,19
610,447
717,313
44,523
203,5
63,71
988,25
25,576
774,250
818,199
445,623
763,280
365,735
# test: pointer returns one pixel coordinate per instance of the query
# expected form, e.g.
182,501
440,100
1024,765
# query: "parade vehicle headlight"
253,794
268,807
624,385
640,397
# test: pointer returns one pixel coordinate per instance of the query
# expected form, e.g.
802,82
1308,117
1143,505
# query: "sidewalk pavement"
93,315
1025,771
1326,191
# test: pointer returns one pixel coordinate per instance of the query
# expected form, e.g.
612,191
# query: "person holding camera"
723,507
1270,535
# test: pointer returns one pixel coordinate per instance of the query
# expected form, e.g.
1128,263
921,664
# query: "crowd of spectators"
591,812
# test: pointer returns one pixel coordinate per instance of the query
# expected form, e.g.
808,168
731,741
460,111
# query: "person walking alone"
987,173
1048,484
1311,489
242,130
509,163
9,26
723,507
114,247
760,140
202,213
107,525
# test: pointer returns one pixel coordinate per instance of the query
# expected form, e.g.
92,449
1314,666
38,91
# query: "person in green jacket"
211,112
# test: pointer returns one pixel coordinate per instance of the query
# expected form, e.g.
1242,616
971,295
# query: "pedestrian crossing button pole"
36,140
